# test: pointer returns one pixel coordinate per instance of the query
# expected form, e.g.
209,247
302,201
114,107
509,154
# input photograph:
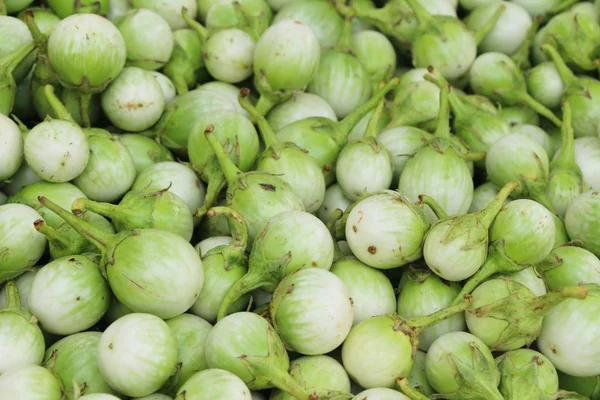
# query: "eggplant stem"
487,28
404,386
346,125
237,225
99,238
246,284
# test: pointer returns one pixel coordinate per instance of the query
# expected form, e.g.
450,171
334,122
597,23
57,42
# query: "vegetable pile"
299,199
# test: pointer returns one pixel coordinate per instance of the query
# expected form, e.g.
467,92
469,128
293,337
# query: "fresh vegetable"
257,195
288,161
524,372
418,284
460,366
572,319
144,209
580,220
224,264
312,311
216,384
123,354
11,152
83,292
190,333
153,49
380,224
364,166
134,101
30,381
74,362
166,286
456,247
371,291
381,349
22,245
506,315
289,241
22,341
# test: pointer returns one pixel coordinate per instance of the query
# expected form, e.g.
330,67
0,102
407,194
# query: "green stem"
419,323
543,304
111,211
372,131
41,40
487,28
267,133
434,205
346,125
409,391
565,159
496,262
488,214
13,301
84,107
96,236
423,16
246,284
180,85
443,123
22,127
564,5
345,40
332,225
283,381
57,106
195,25
2,8
51,234
566,75
9,62
230,170
539,108
521,56
237,225
215,185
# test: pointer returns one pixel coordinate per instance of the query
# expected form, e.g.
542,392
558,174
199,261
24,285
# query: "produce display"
299,199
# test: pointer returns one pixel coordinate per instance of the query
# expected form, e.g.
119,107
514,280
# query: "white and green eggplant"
380,349
461,366
290,162
22,245
526,372
277,252
144,209
456,247
569,265
580,220
30,382
380,224
317,373
371,291
418,285
312,311
567,337
364,166
257,196
21,340
137,354
224,264
516,243
73,360
217,384
506,315
148,270
69,294
154,48
190,333
179,178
